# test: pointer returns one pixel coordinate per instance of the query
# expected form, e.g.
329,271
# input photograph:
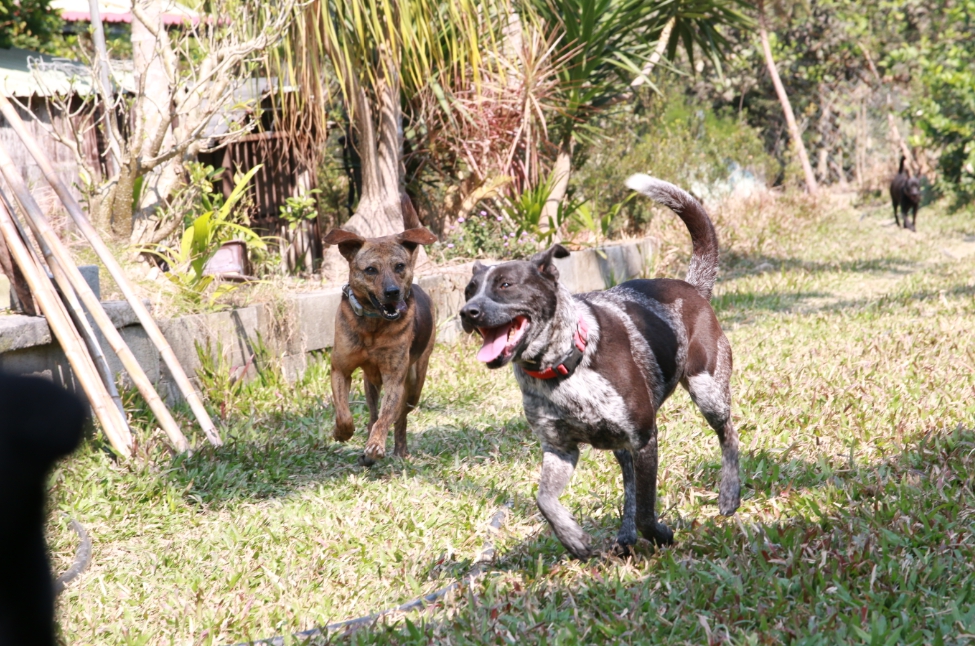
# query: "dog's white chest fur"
584,407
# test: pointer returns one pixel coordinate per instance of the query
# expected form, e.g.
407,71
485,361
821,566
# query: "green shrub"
670,137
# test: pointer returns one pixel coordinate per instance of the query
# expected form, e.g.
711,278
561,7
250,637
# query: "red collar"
567,365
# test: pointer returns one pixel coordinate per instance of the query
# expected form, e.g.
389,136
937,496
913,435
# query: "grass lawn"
854,393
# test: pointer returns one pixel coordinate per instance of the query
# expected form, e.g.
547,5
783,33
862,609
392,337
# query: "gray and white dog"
594,368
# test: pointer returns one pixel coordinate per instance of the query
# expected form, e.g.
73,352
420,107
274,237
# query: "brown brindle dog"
384,326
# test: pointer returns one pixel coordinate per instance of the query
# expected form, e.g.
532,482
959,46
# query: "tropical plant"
300,208
598,226
202,239
527,211
607,44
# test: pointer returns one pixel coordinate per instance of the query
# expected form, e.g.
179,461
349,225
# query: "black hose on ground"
349,625
81,558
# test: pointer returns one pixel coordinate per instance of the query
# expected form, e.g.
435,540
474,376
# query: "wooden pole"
114,269
104,84
71,281
67,336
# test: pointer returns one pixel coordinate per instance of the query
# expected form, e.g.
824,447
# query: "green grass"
854,396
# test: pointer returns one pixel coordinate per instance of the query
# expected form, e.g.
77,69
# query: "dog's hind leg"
645,467
627,533
712,394
897,219
557,469
414,386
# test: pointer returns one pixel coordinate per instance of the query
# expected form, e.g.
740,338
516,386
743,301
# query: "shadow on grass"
857,553
279,459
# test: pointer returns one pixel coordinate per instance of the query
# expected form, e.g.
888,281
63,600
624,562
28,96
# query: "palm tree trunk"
562,170
380,211
790,117
384,208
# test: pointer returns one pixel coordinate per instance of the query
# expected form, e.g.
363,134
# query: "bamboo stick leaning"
113,424
71,281
114,269
76,311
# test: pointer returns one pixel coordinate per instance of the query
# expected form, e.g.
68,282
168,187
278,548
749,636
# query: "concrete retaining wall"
301,324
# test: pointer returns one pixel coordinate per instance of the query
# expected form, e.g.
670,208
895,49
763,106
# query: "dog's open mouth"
501,341
389,311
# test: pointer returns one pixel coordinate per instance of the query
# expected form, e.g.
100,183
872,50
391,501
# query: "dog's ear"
412,238
348,242
543,261
479,268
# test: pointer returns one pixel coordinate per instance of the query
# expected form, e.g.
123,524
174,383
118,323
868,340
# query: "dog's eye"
504,285
400,266
372,271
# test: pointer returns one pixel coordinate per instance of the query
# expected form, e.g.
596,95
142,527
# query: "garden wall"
291,330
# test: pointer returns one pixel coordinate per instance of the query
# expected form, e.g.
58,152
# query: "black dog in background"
905,193
39,423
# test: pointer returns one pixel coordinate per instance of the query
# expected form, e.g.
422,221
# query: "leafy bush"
944,108
485,234
675,139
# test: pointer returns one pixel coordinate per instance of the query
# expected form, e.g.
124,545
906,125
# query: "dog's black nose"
471,312
391,293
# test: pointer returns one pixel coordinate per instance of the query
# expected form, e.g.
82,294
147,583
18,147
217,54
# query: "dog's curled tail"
704,262
900,171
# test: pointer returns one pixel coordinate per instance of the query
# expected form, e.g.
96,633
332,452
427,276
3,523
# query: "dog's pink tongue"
494,341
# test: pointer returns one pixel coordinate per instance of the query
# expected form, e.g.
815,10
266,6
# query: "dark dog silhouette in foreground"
905,193
39,423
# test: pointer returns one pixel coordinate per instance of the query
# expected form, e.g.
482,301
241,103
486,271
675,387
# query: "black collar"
362,312
356,306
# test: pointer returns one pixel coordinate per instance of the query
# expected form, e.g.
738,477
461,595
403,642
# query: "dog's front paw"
578,545
372,453
729,498
343,431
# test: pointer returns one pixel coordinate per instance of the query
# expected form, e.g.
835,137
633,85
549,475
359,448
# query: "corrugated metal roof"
25,73
121,11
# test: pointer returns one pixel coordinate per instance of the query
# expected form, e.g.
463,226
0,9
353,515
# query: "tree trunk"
152,114
790,117
105,89
657,54
379,141
561,172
